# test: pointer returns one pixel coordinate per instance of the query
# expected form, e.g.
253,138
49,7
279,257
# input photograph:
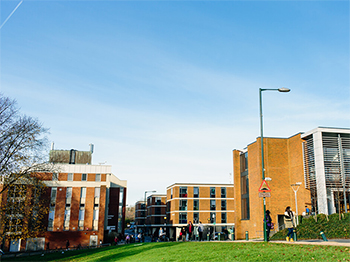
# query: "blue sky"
165,90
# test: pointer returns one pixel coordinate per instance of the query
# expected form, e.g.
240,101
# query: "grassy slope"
202,251
310,229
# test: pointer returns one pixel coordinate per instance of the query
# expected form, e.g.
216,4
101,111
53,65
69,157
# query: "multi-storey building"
86,204
327,168
211,204
156,213
140,214
306,169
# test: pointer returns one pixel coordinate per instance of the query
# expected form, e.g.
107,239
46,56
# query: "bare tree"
23,169
22,140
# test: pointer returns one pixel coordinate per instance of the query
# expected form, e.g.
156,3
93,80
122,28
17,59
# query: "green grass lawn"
201,251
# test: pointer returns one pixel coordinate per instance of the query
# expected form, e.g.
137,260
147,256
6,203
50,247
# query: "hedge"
310,228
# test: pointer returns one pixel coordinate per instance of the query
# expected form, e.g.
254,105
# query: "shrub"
310,229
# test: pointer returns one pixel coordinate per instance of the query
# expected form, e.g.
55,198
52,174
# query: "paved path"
320,242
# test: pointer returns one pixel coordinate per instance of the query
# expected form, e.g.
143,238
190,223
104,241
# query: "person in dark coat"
268,221
189,231
67,244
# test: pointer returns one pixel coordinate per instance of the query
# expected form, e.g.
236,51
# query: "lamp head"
283,90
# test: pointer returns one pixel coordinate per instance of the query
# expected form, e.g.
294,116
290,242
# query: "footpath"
320,242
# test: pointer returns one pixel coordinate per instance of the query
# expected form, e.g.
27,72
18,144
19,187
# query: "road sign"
264,187
264,194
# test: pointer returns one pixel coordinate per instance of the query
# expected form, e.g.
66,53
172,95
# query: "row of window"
71,175
183,192
211,219
183,204
67,212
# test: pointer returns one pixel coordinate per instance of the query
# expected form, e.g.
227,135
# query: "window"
195,204
83,192
97,192
66,218
212,217
183,205
70,177
183,218
195,218
83,177
53,193
212,192
69,192
98,177
54,177
212,205
245,212
157,210
223,204
223,218
223,192
183,191
158,201
171,193
95,215
81,218
196,192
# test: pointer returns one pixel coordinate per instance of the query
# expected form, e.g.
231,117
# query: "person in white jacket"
288,222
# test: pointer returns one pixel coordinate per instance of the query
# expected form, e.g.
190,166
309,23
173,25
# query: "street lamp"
295,188
150,191
283,90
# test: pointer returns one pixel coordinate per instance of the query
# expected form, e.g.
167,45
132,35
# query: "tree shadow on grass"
131,250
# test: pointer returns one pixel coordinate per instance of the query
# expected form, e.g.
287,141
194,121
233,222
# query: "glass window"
223,204
53,192
70,177
183,218
212,205
157,210
183,191
54,176
195,218
183,205
67,214
95,216
158,200
212,192
83,192
245,212
81,214
196,192
69,192
97,192
195,204
83,177
212,217
171,193
223,192
223,217
98,177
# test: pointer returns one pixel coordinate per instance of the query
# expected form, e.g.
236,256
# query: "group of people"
288,222
187,233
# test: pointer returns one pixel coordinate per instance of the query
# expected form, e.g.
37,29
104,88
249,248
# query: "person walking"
200,230
189,231
67,244
288,222
183,234
268,221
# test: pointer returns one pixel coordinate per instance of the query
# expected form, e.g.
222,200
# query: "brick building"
212,204
140,214
156,213
86,203
318,160
284,165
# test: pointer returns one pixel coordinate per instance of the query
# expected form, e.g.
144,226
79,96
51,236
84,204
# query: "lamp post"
150,191
295,188
283,90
